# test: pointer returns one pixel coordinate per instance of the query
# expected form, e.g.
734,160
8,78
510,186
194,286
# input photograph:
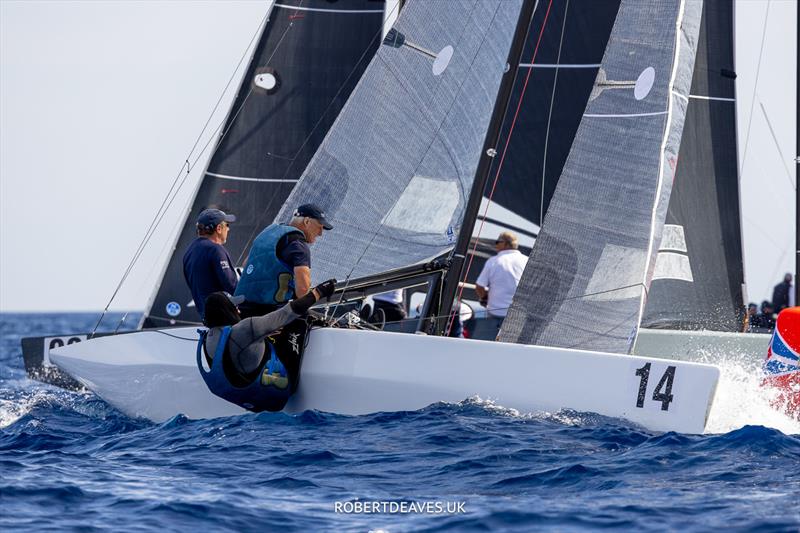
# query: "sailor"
251,363
389,307
497,284
207,266
278,267
783,294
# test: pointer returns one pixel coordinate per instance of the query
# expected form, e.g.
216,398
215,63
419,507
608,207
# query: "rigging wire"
502,160
185,166
550,113
755,88
778,146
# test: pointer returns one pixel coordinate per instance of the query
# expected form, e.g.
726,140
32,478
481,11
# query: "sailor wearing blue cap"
207,265
278,267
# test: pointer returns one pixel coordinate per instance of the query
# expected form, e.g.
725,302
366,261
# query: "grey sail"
308,59
698,278
586,280
396,169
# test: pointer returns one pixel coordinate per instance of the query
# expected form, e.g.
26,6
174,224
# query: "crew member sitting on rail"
278,267
250,362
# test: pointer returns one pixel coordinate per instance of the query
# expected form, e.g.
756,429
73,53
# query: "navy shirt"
293,250
208,268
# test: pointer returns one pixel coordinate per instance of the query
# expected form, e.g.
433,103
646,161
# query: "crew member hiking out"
278,267
207,266
250,362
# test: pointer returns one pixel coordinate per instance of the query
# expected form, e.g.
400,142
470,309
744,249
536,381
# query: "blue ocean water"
68,461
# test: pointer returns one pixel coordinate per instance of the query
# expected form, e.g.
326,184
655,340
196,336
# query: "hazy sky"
100,103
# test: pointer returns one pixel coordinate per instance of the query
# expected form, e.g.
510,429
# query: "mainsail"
587,277
698,278
307,61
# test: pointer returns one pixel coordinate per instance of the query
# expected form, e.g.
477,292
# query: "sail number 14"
663,391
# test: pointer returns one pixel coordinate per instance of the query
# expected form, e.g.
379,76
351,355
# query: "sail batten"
587,277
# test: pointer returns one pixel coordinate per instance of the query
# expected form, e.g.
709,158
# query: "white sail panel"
421,110
586,281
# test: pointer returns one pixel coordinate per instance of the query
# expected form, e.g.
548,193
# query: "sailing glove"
326,288
301,305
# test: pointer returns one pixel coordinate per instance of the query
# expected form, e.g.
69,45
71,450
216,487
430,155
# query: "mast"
797,172
450,286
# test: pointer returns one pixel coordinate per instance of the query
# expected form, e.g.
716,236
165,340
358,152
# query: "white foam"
741,401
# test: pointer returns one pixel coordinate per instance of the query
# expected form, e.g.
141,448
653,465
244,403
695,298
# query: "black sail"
574,38
697,283
574,35
308,60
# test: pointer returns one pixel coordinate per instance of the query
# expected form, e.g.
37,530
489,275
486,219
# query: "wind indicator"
395,39
641,87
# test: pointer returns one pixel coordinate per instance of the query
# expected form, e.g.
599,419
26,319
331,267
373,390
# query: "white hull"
152,374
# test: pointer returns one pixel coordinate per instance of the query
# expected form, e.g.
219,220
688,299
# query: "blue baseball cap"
211,218
313,211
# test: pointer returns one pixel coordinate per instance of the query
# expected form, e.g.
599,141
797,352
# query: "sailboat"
400,173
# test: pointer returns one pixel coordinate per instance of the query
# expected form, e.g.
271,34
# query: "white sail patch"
611,279
426,206
673,239
670,265
672,261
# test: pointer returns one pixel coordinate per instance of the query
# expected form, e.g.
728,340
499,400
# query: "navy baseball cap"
313,211
211,218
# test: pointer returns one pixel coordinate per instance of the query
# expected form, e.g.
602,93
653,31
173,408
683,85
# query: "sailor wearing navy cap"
278,267
207,266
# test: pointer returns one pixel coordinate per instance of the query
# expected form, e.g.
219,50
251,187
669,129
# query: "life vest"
268,391
266,279
782,364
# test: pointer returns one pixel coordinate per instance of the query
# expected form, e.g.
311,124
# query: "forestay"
307,61
396,169
586,281
699,273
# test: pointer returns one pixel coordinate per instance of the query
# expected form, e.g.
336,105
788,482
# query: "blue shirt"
208,268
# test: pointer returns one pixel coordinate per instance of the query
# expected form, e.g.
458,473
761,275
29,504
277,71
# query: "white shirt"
501,275
395,297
